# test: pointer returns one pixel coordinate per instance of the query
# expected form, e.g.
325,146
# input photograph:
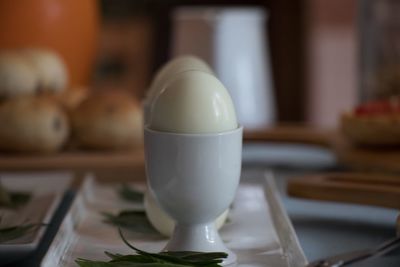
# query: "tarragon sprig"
133,220
13,200
163,259
10,233
130,194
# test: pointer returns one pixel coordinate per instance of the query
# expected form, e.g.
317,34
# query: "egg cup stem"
199,237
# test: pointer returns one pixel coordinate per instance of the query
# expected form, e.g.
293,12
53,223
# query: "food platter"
258,231
46,194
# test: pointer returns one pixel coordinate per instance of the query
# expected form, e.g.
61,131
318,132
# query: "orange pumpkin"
69,27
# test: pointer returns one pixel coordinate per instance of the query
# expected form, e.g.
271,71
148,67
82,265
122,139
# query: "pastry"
374,123
17,76
50,69
32,124
109,121
71,98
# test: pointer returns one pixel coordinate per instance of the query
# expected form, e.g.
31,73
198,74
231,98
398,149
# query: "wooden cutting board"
367,158
355,157
73,160
292,133
360,188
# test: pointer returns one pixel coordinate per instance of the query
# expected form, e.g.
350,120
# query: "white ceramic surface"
163,222
47,189
258,230
241,61
194,178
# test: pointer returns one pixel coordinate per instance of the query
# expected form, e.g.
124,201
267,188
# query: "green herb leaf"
89,263
13,199
130,194
5,198
173,257
112,255
133,220
14,232
19,199
163,259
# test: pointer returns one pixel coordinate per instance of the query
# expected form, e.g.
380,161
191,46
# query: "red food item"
379,107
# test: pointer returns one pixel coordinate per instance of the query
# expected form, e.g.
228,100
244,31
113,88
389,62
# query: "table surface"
323,228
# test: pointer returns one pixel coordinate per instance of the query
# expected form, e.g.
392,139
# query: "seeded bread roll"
50,69
17,76
108,121
34,124
71,98
378,130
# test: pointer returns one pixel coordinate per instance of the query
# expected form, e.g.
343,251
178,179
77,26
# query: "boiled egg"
168,71
193,102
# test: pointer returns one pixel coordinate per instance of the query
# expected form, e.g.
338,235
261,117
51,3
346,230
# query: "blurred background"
74,76
283,62
311,46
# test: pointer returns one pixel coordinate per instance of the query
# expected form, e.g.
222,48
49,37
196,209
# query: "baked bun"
376,123
50,69
17,76
32,124
70,99
371,130
108,121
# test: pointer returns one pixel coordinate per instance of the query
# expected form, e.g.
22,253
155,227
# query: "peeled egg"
50,68
162,222
193,102
169,70
17,76
175,66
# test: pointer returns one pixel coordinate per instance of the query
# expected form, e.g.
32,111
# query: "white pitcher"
233,41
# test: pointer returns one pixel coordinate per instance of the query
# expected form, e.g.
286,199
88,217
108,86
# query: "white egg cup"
194,178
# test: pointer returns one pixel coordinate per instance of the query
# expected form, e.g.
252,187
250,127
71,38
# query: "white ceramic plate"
259,231
297,156
46,190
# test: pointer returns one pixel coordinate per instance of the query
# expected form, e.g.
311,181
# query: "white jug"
233,42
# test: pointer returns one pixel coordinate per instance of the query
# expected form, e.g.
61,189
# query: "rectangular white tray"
47,190
258,231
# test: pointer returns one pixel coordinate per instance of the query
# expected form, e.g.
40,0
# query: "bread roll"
34,124
17,76
109,121
50,69
70,99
